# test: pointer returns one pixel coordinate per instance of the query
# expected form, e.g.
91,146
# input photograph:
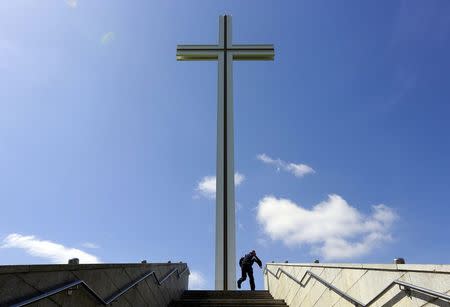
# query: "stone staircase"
226,298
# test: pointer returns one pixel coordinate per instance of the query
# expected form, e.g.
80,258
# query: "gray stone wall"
361,281
18,283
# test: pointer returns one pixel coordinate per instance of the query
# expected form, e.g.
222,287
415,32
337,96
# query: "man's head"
253,253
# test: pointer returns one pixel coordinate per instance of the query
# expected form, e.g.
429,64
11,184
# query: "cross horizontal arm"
197,52
253,52
252,55
211,52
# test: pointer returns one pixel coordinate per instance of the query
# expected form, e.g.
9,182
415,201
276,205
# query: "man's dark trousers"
247,269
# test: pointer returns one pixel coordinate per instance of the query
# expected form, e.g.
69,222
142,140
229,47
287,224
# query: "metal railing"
277,275
100,300
406,287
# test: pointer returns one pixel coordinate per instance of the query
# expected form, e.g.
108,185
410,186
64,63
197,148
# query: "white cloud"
298,170
54,252
332,228
72,3
90,245
207,185
238,178
196,281
108,38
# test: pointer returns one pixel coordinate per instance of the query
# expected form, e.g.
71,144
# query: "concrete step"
234,301
225,294
227,298
181,303
220,305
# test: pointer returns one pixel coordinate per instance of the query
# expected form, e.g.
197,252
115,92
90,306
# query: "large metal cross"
225,52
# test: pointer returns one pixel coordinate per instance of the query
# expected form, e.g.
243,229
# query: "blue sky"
105,139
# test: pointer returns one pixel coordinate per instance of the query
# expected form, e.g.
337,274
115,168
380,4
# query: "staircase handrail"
106,302
408,286
405,285
277,275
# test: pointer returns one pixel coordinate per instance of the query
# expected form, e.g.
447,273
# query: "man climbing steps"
246,264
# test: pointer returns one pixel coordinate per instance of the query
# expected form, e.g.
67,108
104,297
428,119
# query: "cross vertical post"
224,53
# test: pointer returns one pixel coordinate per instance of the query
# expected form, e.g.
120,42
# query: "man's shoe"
239,284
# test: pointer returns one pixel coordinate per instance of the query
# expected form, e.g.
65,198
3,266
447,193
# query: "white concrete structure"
92,285
225,52
363,282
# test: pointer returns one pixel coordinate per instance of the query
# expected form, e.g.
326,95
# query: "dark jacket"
248,260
